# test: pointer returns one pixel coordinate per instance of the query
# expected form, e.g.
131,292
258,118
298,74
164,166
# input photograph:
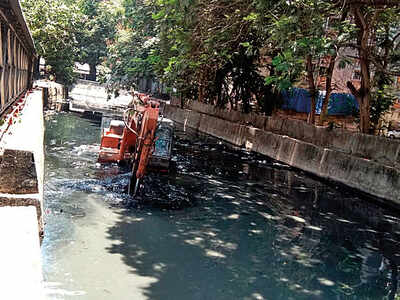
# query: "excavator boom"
133,139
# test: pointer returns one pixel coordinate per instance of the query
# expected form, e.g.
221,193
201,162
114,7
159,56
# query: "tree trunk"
365,90
92,73
365,116
329,75
363,94
328,88
312,90
201,93
182,101
200,88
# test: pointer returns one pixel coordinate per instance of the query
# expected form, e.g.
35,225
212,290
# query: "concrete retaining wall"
54,95
347,160
379,149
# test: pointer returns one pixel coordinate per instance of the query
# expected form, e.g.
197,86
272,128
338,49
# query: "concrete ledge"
375,178
21,197
22,162
20,261
24,200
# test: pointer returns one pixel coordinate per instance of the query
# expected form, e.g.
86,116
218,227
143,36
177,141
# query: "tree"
131,55
54,26
205,50
338,33
377,44
299,33
98,32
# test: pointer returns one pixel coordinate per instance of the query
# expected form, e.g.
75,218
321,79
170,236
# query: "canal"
227,225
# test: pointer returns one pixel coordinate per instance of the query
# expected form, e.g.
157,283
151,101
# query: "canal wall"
368,163
22,157
55,95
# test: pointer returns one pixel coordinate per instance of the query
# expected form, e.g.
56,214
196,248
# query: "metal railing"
17,54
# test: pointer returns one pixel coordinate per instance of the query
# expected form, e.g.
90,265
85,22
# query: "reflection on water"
228,225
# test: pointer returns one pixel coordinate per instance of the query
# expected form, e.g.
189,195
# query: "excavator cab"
117,143
161,157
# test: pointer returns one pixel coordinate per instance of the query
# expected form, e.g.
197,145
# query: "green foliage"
132,54
55,26
98,32
300,30
382,99
67,31
236,53
203,49
287,69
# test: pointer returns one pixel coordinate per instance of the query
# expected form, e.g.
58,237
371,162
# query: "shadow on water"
258,230
239,225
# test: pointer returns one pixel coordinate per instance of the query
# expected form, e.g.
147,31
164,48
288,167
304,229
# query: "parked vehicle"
393,134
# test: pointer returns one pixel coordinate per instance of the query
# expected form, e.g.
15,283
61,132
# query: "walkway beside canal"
21,202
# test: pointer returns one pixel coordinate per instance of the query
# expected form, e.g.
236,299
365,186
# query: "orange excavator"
140,134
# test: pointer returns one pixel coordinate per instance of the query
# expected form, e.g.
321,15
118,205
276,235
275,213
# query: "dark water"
227,225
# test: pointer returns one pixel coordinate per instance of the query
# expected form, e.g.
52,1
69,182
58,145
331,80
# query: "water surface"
228,225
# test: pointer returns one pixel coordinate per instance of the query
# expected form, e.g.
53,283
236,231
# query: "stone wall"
364,162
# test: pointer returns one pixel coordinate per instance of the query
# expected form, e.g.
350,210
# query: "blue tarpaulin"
339,104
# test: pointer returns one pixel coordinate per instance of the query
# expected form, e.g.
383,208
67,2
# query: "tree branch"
353,90
381,68
360,17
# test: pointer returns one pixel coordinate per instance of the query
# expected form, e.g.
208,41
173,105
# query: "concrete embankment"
364,162
21,201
